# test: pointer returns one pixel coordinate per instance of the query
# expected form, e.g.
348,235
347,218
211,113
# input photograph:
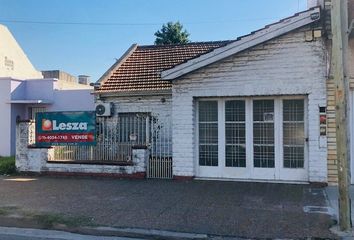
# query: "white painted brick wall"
284,66
140,157
152,104
160,107
35,159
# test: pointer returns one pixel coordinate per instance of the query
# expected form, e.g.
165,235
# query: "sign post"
65,128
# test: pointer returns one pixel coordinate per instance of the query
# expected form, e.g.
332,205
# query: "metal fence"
115,138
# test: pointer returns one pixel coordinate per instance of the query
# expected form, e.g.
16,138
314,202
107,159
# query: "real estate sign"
65,128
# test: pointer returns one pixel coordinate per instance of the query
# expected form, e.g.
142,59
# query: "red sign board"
62,128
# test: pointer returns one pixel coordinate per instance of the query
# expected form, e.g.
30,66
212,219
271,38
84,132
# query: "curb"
141,233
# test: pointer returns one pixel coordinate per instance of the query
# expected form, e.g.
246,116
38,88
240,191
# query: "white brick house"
246,109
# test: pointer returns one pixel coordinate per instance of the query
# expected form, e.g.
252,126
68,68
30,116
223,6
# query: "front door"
252,138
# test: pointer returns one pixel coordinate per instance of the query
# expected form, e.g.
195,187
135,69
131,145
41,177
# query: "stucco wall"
287,65
35,89
13,61
62,85
72,100
5,119
39,89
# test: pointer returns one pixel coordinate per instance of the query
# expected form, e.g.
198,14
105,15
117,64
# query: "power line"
123,24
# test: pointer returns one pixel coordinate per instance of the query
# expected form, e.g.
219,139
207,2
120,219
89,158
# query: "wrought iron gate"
160,161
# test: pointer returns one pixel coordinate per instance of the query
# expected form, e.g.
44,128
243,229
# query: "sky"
86,36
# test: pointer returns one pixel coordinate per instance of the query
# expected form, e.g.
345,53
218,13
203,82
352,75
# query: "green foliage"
7,165
49,220
171,33
6,210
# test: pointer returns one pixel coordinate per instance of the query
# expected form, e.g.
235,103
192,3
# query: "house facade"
247,109
134,87
258,108
24,91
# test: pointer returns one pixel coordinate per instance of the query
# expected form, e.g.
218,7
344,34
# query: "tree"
171,33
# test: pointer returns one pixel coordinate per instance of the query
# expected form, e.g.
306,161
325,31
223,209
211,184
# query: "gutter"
135,93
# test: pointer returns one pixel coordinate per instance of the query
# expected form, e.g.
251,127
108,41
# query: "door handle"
306,139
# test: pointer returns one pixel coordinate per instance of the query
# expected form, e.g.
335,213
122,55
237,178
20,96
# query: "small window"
132,127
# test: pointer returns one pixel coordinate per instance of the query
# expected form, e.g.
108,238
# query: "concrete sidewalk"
332,195
332,198
38,234
251,210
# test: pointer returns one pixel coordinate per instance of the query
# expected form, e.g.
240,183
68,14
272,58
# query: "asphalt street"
240,209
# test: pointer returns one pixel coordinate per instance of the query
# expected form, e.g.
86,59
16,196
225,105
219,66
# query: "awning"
34,101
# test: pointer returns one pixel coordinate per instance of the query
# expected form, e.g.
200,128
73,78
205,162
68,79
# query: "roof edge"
186,44
117,64
134,93
257,37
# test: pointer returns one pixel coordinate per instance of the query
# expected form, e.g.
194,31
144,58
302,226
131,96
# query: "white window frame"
276,173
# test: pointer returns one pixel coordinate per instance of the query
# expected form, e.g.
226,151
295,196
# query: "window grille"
293,133
208,133
235,133
263,134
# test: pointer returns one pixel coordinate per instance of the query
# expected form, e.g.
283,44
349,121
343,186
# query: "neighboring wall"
62,85
331,113
39,89
65,80
5,119
13,61
72,100
61,100
35,89
60,75
287,65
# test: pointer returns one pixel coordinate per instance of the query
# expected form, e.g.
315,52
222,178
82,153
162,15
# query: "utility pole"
339,23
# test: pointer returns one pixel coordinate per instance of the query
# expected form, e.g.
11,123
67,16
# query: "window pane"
208,133
208,155
208,111
293,157
235,156
235,111
293,133
293,110
132,124
263,133
235,133
262,109
264,156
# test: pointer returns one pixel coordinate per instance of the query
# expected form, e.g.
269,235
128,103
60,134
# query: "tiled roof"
140,71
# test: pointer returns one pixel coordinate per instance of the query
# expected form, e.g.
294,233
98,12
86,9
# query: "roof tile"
141,70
